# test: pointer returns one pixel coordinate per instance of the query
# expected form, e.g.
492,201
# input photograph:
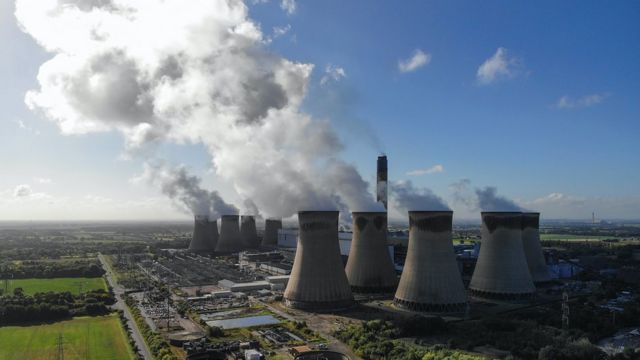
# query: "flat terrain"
95,338
73,285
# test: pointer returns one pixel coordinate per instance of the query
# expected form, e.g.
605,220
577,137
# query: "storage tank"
248,232
369,268
533,249
430,279
318,281
502,271
205,235
229,240
271,227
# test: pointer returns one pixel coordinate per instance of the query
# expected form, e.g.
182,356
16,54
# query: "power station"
205,235
369,268
271,227
248,233
229,240
318,281
533,248
430,279
382,180
502,271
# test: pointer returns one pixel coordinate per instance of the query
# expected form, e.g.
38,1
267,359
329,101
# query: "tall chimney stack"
430,280
382,179
318,281
502,271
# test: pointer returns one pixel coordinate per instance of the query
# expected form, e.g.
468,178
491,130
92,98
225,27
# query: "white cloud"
334,73
22,190
281,30
500,66
416,61
566,102
289,6
432,170
42,180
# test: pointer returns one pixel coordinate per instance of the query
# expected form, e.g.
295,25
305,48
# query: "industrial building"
229,240
248,232
533,249
318,280
271,227
205,235
502,271
430,279
369,268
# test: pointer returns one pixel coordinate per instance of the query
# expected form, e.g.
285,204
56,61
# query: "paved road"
120,305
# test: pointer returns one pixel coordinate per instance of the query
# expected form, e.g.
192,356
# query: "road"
120,305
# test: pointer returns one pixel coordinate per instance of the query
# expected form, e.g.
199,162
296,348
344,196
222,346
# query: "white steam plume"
408,198
484,199
186,192
189,72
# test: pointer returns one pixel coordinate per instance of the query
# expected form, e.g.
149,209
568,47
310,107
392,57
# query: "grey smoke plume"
484,199
185,190
204,76
489,200
250,208
407,197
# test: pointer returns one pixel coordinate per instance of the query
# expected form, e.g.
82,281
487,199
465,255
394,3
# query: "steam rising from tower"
369,268
318,281
431,280
501,271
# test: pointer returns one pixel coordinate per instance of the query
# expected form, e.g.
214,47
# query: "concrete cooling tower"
369,268
205,235
501,271
430,279
533,249
271,227
229,240
248,233
318,281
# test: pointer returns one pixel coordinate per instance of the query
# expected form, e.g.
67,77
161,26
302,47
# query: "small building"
252,354
250,286
299,350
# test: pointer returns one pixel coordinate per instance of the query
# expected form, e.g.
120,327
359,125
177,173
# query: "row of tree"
51,269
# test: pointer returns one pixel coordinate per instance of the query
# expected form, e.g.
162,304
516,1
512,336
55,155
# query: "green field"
73,285
570,237
95,338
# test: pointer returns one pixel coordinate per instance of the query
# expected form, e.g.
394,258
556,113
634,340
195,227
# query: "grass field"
73,285
95,338
570,237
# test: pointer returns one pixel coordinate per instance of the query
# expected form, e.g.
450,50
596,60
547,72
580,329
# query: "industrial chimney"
229,241
205,235
381,183
248,233
318,281
533,249
369,268
501,271
430,279
271,227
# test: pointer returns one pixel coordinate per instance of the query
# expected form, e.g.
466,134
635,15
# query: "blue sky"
553,123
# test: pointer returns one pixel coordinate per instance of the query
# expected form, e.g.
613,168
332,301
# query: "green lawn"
73,285
95,338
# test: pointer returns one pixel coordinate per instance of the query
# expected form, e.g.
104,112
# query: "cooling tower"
205,235
532,248
318,281
501,271
430,279
381,180
229,240
248,233
271,227
369,268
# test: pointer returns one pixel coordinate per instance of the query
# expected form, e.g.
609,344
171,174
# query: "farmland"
72,285
82,338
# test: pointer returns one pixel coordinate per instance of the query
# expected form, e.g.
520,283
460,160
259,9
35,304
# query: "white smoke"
189,72
484,199
186,191
408,198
